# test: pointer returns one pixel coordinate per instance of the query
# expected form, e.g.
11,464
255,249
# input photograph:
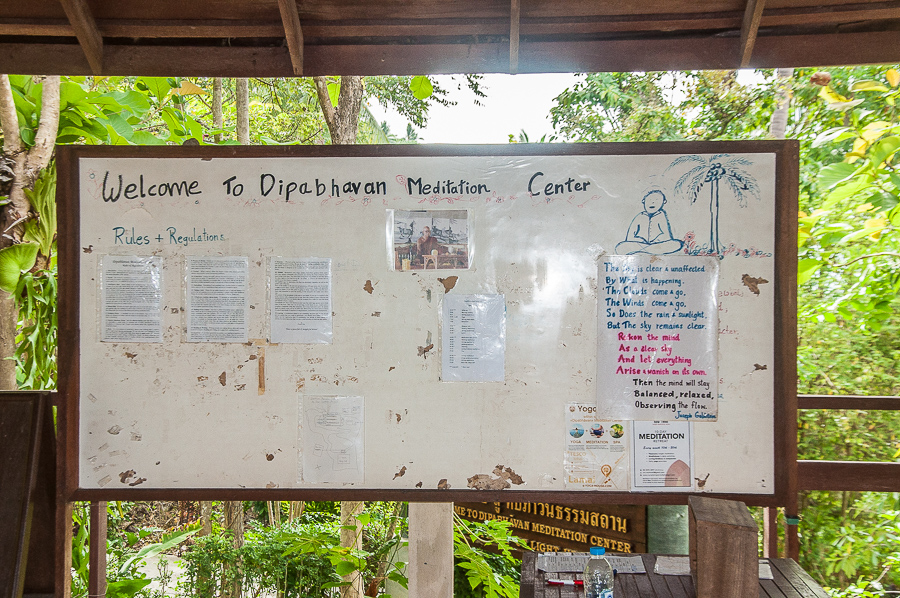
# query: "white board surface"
181,414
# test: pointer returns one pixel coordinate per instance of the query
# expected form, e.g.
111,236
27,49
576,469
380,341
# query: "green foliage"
850,247
484,560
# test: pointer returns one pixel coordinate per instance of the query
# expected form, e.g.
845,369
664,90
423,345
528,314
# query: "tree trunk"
205,518
26,166
217,108
778,125
242,87
234,522
351,537
342,120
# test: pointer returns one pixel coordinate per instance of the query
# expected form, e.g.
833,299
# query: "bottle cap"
597,551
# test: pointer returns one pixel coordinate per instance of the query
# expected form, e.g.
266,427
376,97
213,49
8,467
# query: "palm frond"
693,180
718,157
682,159
737,161
742,184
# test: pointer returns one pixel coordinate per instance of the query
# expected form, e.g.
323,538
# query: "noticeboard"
610,322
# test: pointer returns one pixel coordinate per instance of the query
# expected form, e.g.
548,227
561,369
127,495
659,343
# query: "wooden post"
724,553
770,532
431,550
97,568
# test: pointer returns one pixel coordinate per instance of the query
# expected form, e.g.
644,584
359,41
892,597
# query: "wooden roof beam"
749,29
514,13
293,32
79,15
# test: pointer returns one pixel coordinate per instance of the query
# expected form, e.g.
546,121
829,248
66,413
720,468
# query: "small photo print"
430,240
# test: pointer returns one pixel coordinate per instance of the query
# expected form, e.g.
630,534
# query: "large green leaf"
868,85
883,149
334,92
421,87
159,87
13,261
806,268
150,550
126,588
833,174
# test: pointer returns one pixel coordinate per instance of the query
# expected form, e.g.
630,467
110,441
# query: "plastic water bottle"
598,575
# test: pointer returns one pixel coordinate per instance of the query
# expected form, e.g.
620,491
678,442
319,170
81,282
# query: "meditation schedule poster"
657,339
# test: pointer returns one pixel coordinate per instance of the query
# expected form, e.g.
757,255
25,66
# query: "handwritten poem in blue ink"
657,351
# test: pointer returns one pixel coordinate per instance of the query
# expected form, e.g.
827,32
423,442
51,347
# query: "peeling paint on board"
504,477
131,356
757,367
126,475
269,456
222,378
424,350
88,249
376,314
400,473
443,485
138,481
114,430
702,482
419,485
448,282
753,283
368,287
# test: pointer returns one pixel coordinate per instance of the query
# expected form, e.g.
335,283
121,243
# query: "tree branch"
12,143
45,139
866,257
325,101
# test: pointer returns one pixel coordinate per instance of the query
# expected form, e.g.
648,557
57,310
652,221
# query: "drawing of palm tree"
718,168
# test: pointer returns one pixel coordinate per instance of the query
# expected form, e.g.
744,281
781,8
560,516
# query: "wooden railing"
853,476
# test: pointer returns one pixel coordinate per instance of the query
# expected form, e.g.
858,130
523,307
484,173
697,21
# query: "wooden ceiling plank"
514,14
710,52
749,29
290,17
79,15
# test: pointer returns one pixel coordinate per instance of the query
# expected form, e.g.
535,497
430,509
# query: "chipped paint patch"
400,473
131,356
269,456
702,482
222,378
443,485
391,369
124,476
424,350
92,398
104,481
753,283
757,367
271,485
240,386
419,485
448,282
88,249
368,287
115,430
503,478
301,382
135,437
202,378
138,481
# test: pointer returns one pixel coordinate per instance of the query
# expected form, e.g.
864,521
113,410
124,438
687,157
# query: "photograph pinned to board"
597,455
657,350
217,299
473,338
428,240
300,300
131,299
662,456
332,439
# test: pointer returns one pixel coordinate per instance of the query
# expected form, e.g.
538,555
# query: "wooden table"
790,582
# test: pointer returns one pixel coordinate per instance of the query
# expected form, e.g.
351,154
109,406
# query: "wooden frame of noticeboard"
157,409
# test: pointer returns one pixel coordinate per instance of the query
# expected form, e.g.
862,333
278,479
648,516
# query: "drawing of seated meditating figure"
650,231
